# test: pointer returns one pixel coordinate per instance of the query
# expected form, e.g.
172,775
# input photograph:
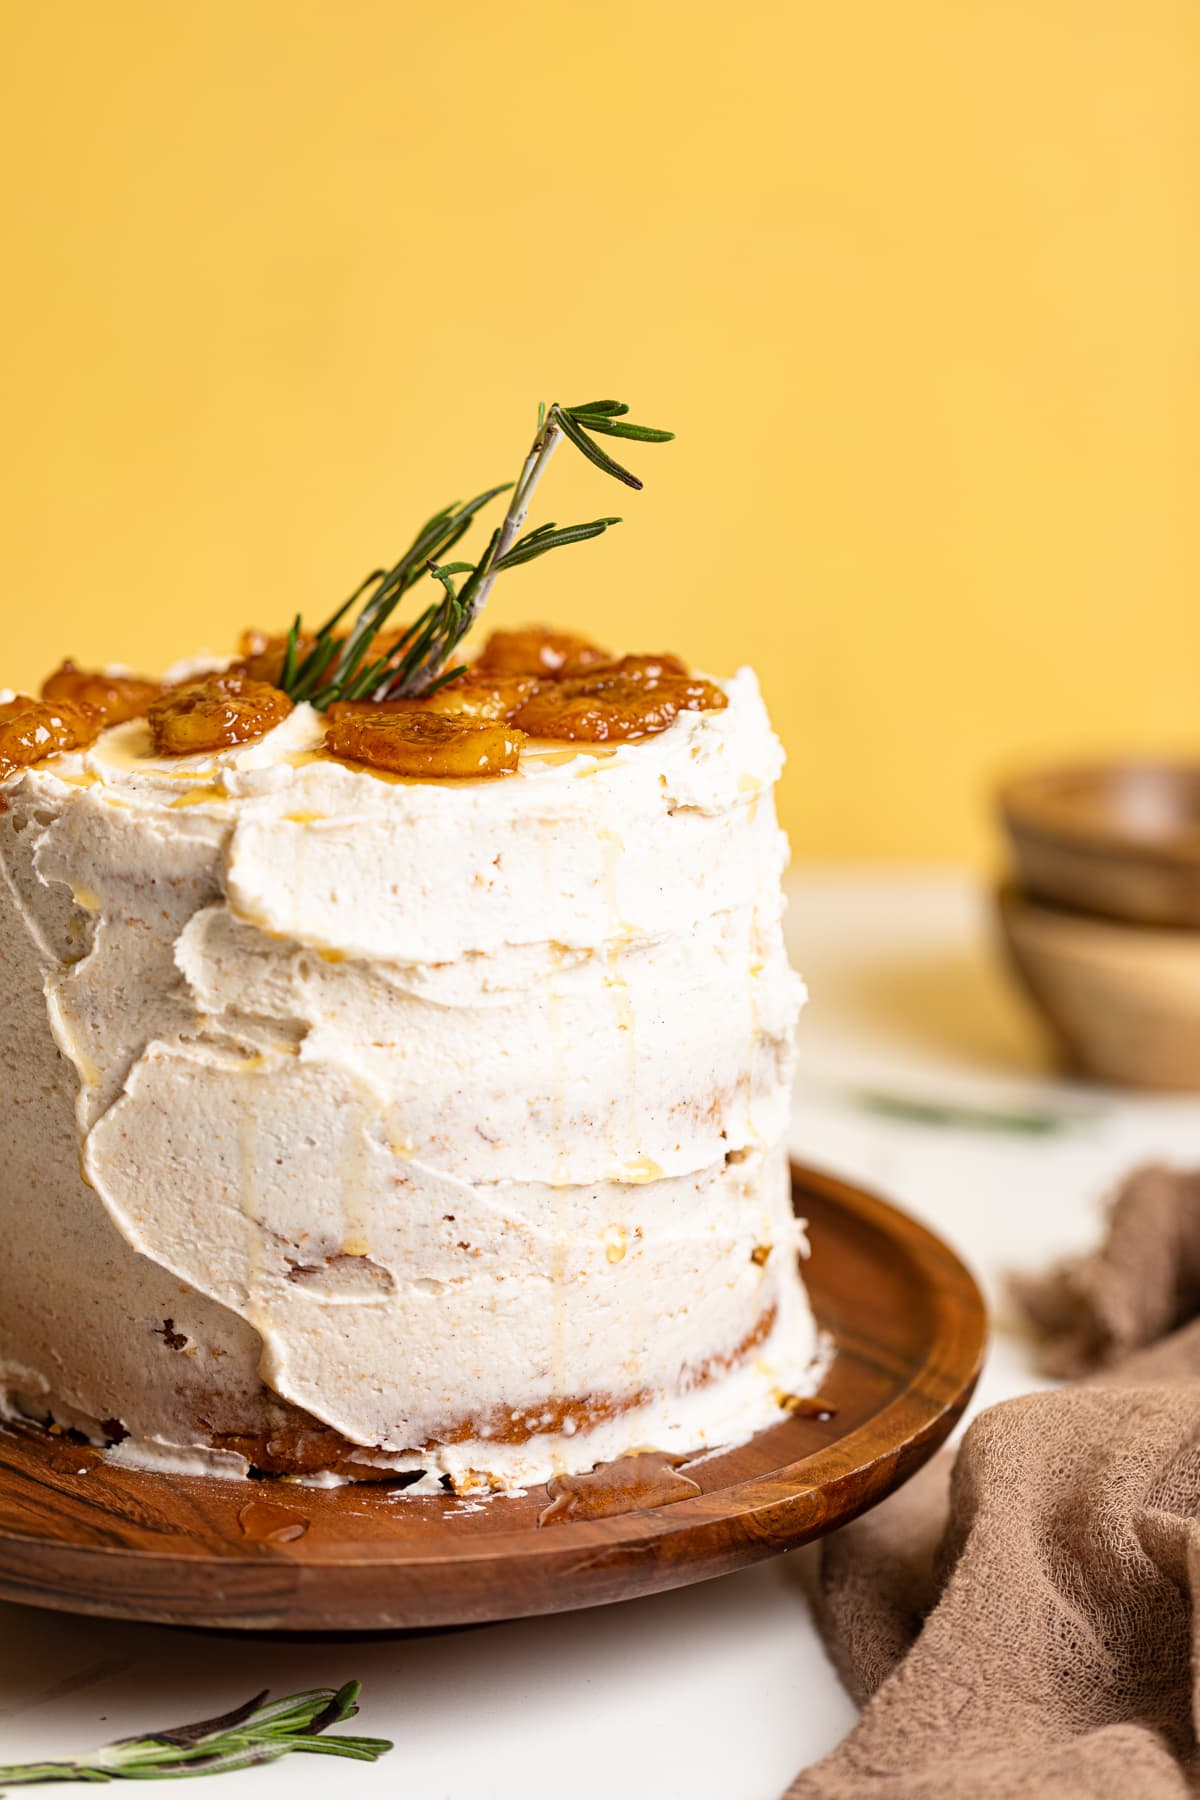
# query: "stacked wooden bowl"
1102,914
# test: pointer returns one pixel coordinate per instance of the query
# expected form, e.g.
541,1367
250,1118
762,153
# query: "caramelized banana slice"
479,697
229,708
409,741
650,668
118,697
482,696
694,694
615,705
262,655
31,729
539,651
252,641
598,708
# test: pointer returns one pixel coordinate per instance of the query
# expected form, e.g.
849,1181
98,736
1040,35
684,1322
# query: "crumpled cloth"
1023,1619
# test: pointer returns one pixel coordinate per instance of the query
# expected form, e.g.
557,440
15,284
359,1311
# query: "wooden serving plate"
1119,838
82,1535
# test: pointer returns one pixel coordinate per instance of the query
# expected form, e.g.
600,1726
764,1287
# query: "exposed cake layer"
432,1104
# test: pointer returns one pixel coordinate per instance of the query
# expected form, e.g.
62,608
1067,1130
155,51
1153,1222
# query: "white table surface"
720,1689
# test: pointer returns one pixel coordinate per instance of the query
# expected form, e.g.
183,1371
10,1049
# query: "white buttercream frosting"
450,1112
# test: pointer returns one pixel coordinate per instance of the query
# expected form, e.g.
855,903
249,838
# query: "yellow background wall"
916,282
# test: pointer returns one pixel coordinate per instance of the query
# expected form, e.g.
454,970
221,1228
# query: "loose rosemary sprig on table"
261,1731
341,668
1033,1121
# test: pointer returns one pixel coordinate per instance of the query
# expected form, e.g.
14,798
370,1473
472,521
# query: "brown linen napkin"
1022,1624
1141,1283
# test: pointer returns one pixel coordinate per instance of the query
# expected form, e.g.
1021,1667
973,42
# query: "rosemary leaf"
1027,1122
289,660
445,678
185,1735
362,682
571,429
312,668
439,534
259,1731
335,618
645,434
536,543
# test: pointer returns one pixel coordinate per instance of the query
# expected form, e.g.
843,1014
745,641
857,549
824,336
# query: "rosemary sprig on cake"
260,1731
336,668
395,698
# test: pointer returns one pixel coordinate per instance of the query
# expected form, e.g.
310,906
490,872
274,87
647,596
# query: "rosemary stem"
536,463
